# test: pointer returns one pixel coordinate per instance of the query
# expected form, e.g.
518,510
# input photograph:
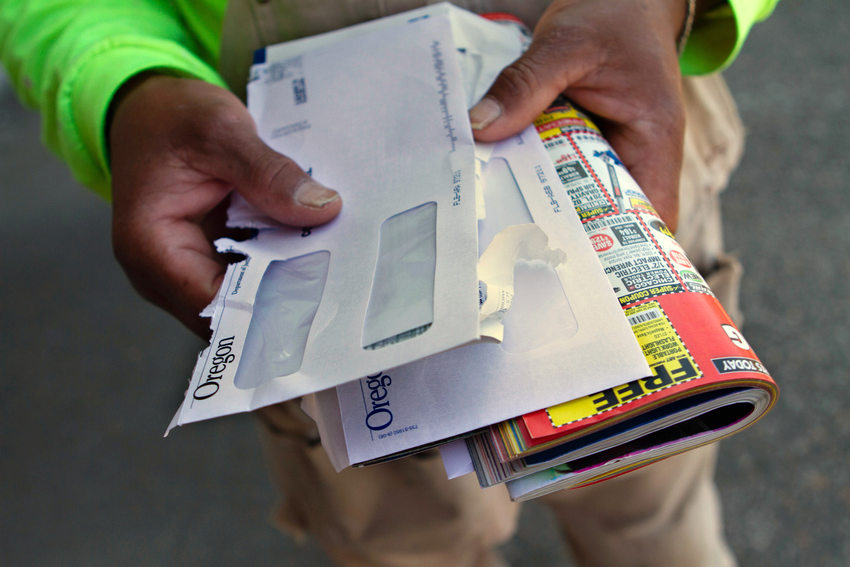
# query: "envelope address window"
286,303
401,303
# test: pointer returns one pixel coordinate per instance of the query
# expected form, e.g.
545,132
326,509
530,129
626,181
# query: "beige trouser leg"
403,513
665,515
406,513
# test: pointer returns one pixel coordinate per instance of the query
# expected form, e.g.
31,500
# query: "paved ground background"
91,375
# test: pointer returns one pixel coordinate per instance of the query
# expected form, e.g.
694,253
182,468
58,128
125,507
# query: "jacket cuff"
719,34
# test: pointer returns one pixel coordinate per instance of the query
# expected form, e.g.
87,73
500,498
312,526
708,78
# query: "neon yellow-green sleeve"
68,57
718,35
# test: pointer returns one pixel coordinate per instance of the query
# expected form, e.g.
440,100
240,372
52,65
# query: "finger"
173,265
278,186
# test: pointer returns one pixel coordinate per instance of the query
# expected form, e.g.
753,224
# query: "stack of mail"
457,289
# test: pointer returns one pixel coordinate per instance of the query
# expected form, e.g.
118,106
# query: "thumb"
275,184
521,92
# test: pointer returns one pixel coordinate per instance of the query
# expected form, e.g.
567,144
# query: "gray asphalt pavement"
91,374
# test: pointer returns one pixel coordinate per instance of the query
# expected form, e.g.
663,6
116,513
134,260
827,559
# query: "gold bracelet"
689,25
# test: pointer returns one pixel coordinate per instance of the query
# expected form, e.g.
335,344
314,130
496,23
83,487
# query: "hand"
616,60
178,147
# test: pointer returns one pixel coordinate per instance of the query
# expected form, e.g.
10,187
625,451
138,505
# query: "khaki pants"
407,513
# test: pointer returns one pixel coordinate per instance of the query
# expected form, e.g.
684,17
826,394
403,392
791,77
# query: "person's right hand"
178,147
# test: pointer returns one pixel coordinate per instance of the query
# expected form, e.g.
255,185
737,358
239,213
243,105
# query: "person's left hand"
616,60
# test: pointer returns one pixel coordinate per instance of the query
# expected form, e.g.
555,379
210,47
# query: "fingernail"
484,113
312,194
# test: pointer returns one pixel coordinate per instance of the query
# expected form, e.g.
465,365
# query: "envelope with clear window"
379,112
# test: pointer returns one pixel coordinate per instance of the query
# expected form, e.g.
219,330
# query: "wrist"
687,25
121,95
684,13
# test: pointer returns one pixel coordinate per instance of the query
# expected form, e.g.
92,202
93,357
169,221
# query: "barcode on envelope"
644,316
